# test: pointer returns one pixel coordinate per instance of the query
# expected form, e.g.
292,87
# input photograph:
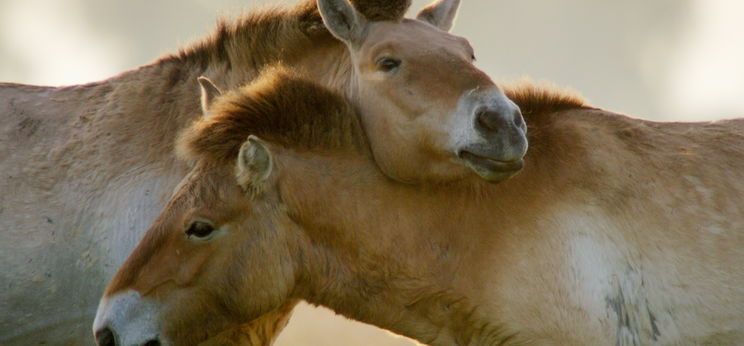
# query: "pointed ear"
209,92
342,20
254,166
440,13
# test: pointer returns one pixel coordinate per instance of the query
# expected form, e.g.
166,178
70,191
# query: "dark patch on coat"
632,326
624,321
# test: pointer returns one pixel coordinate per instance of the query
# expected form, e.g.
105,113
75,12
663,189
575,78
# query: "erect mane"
279,107
379,10
535,99
255,37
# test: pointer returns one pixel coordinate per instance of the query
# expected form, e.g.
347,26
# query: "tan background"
656,59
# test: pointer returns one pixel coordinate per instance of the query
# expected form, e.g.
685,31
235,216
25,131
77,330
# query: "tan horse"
85,168
618,231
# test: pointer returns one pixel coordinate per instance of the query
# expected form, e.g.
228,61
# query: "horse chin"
490,169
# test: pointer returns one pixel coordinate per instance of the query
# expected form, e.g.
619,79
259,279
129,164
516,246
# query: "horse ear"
254,166
342,20
440,13
209,92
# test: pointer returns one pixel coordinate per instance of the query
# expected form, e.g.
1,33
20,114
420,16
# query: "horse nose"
491,121
105,337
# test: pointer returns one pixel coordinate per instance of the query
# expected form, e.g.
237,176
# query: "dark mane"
258,37
279,107
379,10
535,99
253,38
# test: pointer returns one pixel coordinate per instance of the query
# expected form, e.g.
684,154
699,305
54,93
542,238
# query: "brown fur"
379,10
286,109
253,38
618,231
94,143
258,332
73,153
542,98
296,37
280,107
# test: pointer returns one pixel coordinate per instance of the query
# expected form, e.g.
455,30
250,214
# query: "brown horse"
618,231
85,168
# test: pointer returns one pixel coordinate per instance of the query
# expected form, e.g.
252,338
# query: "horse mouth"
491,169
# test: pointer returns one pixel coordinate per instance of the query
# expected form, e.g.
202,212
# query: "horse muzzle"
127,319
493,140
493,169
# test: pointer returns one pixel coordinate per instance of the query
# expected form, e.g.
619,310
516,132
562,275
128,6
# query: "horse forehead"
202,190
412,36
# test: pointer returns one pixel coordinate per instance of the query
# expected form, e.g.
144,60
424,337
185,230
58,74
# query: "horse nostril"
489,121
105,337
152,343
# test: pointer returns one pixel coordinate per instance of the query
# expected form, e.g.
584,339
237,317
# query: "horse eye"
388,64
200,229
472,57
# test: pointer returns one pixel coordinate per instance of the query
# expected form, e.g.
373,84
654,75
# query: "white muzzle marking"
132,319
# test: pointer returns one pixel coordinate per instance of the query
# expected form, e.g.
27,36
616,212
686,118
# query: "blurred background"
669,60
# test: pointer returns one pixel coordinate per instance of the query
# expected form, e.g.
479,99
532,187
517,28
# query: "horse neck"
132,119
140,112
294,37
393,255
106,129
415,259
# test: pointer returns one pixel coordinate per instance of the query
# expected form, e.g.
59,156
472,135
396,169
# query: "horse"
85,168
617,230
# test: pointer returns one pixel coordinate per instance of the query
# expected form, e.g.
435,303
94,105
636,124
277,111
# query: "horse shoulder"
640,223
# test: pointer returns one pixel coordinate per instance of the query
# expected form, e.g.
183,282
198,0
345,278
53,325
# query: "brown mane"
379,10
250,39
284,108
280,107
541,98
289,110
253,38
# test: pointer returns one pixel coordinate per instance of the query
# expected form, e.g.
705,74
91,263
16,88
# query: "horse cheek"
192,268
